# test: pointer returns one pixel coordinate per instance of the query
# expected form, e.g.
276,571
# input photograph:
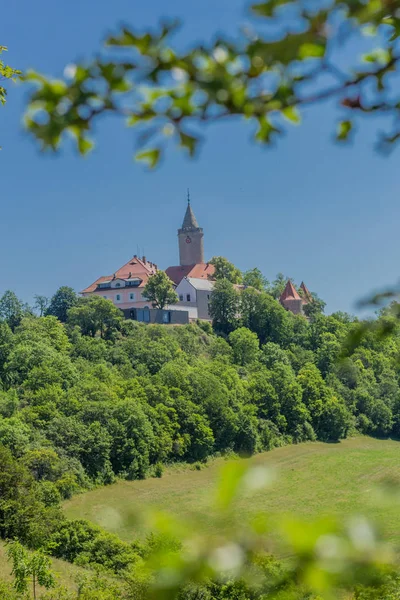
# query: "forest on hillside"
87,397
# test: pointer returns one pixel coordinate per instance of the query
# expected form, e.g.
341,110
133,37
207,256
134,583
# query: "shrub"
158,470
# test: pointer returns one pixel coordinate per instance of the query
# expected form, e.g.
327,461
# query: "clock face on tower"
188,240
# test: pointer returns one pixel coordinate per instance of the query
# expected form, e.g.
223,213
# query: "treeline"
96,397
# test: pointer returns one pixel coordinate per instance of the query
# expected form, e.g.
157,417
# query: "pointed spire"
306,291
289,293
189,221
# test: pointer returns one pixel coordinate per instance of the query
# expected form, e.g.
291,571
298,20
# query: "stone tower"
190,236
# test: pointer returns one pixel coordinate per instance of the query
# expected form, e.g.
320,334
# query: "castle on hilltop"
193,280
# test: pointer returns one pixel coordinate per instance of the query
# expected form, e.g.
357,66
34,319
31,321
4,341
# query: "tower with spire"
190,237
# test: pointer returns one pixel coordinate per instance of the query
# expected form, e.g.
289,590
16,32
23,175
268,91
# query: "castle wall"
295,306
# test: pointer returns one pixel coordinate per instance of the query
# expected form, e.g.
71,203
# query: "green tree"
11,309
64,299
29,568
15,435
245,346
41,304
227,78
224,306
266,317
278,285
272,353
43,464
159,290
22,513
315,307
225,270
254,278
95,315
6,345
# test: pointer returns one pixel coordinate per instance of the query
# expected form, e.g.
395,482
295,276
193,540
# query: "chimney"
144,259
135,256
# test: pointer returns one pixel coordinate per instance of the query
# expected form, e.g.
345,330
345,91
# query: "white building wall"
121,297
185,289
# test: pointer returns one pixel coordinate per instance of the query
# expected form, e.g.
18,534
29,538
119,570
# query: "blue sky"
313,210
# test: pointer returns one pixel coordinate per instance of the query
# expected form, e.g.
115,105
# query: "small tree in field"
29,567
159,290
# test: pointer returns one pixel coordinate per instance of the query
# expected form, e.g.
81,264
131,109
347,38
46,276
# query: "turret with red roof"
291,299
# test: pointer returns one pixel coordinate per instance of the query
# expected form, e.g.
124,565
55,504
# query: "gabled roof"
93,286
189,221
307,293
198,271
135,268
289,293
201,284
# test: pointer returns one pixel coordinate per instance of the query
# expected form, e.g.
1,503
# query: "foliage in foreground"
327,559
268,73
6,73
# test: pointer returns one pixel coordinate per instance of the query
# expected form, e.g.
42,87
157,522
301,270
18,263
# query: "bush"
83,543
158,470
49,493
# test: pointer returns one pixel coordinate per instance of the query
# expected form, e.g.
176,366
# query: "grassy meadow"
66,573
311,480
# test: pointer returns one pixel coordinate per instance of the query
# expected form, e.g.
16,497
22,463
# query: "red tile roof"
307,293
289,293
136,267
199,271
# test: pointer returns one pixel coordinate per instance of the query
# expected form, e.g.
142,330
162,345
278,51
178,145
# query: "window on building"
180,297
208,296
131,296
117,284
105,297
118,298
187,297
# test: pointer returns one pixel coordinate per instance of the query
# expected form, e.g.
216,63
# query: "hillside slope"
313,479
66,574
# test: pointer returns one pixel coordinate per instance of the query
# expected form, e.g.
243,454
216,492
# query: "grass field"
65,572
313,479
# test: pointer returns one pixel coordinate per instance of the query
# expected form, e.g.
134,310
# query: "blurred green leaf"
189,142
311,50
150,157
344,130
292,114
230,482
84,145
